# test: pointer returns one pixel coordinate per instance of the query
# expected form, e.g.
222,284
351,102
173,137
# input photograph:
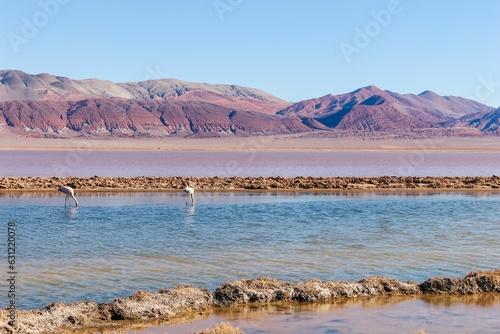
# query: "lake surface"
247,163
117,243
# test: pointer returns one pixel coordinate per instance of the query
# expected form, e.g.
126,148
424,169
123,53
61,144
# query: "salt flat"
257,143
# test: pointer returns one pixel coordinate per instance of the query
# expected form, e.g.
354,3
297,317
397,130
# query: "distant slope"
17,85
231,96
488,122
372,109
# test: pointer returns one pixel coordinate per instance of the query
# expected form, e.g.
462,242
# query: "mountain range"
45,105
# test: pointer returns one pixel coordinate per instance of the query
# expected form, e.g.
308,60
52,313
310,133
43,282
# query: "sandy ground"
285,142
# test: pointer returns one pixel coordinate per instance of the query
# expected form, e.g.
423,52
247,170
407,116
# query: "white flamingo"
69,192
190,193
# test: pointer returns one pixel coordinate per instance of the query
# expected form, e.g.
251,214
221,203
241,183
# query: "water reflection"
71,213
373,315
479,299
190,214
48,194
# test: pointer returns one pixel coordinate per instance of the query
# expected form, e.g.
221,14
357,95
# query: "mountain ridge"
46,105
18,85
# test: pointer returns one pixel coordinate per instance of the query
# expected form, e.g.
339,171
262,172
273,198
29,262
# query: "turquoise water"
117,243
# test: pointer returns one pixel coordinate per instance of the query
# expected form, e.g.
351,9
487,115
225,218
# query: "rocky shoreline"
146,183
184,300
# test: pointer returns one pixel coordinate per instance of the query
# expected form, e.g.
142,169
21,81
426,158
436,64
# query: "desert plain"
282,142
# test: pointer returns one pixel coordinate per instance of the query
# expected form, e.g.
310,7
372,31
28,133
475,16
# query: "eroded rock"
474,282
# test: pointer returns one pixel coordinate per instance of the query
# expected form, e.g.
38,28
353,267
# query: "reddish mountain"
46,105
126,117
371,109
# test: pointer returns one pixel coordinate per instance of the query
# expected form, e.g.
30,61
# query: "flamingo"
69,192
190,193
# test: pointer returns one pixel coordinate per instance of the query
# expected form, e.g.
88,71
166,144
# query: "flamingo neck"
74,198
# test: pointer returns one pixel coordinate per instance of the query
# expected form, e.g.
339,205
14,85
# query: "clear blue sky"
293,49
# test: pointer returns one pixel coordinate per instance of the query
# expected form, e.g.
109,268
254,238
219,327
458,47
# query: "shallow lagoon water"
117,243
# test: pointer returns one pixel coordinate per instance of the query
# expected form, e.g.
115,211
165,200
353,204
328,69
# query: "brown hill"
17,85
230,96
